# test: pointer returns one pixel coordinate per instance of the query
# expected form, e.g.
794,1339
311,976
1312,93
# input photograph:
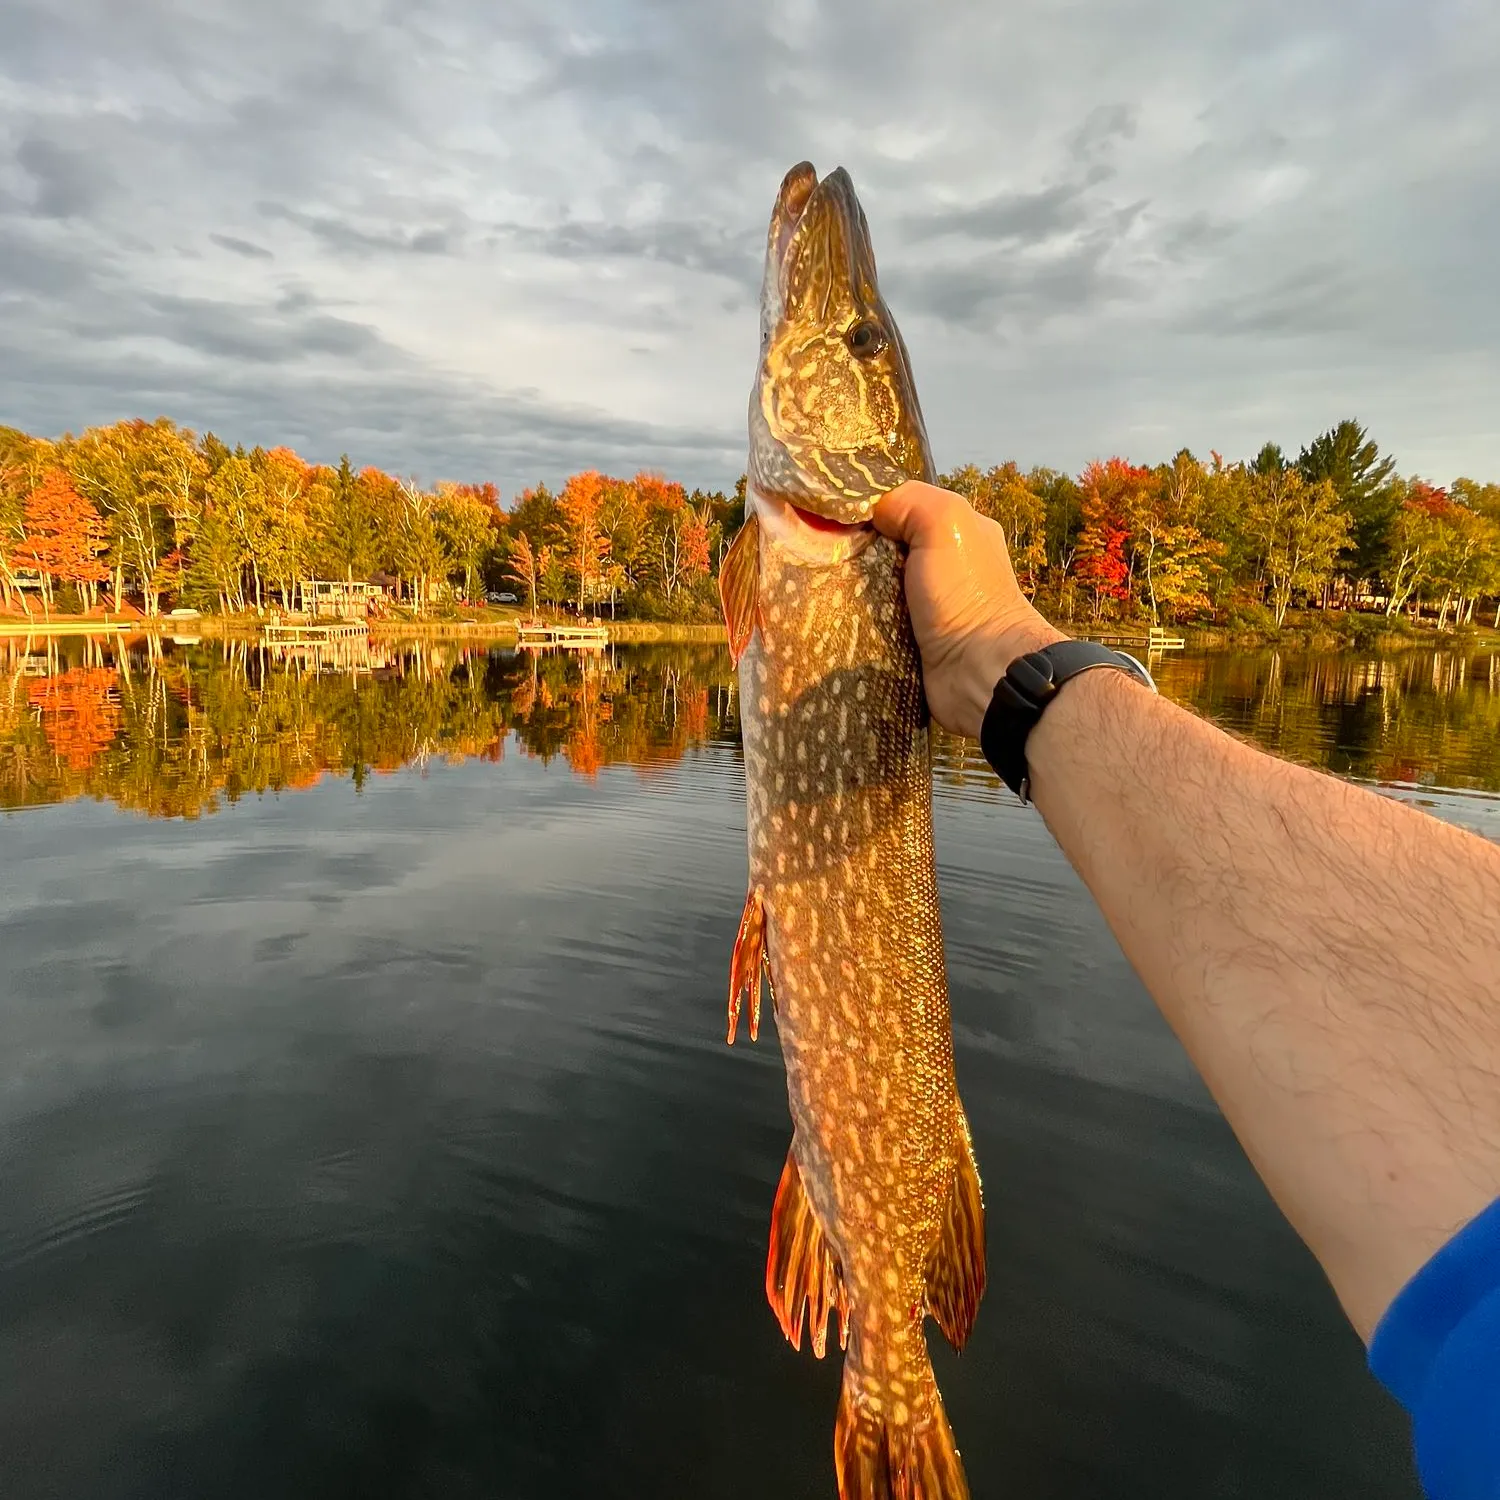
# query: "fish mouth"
797,189
804,535
828,211
827,523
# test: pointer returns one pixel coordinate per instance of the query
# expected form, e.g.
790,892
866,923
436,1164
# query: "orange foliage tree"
64,537
80,713
580,502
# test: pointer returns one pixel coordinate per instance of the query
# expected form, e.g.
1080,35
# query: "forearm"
1329,958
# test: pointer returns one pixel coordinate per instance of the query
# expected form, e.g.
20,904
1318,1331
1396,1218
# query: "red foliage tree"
1114,493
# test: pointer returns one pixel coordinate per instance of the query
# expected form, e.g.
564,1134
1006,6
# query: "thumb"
916,512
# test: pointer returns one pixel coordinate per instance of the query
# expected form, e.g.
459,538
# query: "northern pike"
878,1217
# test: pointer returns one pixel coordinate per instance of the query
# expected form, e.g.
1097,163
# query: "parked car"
502,598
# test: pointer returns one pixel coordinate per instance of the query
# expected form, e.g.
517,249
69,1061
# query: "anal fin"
739,587
801,1269
955,1269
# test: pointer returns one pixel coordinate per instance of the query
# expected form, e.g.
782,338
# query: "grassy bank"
1315,631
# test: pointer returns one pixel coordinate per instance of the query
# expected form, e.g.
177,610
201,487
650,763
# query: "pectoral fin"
739,587
747,966
955,1270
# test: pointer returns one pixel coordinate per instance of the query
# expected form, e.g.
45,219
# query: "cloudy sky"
508,238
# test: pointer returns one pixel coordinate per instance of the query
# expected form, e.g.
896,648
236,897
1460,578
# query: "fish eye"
865,340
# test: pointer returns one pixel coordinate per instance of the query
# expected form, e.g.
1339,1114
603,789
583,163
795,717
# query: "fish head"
834,418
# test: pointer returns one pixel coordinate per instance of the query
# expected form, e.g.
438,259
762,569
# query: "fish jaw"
806,538
834,418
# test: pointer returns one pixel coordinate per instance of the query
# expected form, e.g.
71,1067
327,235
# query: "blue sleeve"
1437,1350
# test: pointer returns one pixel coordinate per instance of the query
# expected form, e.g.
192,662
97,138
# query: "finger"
914,512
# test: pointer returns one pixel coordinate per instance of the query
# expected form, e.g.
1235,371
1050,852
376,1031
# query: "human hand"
970,617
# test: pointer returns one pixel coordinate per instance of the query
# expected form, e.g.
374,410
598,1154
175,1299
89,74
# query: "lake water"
366,1126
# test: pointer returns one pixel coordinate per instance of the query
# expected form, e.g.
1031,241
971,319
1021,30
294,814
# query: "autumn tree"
580,503
418,550
23,461
1415,539
1301,528
678,537
236,492
114,468
64,536
1177,561
622,520
1350,460
1112,497
466,517
527,564
285,537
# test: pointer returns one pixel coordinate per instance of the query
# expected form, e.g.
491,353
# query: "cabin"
341,598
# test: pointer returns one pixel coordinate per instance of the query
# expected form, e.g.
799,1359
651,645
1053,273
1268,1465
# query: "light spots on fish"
840,845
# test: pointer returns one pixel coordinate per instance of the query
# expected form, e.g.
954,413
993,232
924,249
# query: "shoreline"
1299,637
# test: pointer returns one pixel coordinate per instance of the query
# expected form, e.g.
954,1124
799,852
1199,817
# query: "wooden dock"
66,625
1155,640
577,637
341,646
314,633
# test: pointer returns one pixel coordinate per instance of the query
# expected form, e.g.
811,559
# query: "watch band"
1030,683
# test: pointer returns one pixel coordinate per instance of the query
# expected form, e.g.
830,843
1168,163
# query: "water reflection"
177,729
393,1148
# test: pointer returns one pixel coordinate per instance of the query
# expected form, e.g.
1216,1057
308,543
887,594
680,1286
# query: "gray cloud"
985,293
67,182
1007,216
692,247
261,336
242,247
507,240
345,238
1102,127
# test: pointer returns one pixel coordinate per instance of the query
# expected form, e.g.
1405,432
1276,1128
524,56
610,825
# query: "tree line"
151,512
1336,527
148,512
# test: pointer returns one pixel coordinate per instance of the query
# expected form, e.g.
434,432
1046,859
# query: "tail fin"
879,1459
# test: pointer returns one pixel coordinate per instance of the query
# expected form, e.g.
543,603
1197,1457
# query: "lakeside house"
342,598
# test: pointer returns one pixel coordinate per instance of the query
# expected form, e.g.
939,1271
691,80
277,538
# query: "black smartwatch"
1030,683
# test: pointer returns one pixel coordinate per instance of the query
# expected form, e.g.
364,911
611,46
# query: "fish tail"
881,1458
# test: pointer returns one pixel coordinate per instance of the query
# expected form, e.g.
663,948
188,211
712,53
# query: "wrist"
1028,696
1082,724
989,655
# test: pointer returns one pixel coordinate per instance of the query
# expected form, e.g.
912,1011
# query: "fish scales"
878,1221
